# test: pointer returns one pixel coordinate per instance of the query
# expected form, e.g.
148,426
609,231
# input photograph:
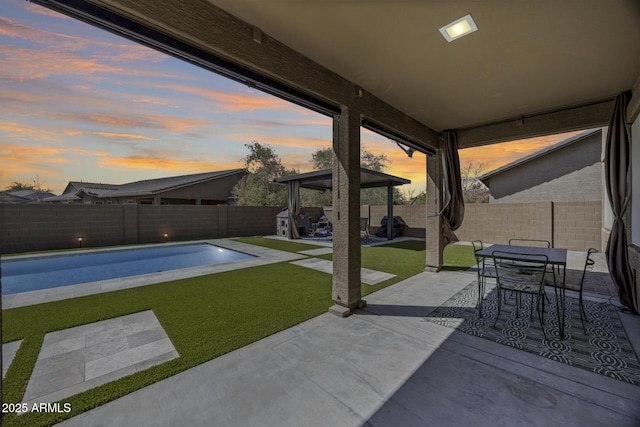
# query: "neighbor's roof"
149,186
322,179
538,154
27,196
64,197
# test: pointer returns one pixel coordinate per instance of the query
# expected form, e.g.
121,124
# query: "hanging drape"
293,192
618,178
452,213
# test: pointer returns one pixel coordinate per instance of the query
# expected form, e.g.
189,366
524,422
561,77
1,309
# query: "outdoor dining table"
557,258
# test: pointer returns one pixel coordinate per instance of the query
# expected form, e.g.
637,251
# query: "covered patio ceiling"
322,179
527,59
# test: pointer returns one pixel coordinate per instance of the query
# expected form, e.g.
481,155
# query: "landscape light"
166,236
80,241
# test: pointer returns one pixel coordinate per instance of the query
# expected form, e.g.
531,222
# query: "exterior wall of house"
566,174
217,191
583,184
39,227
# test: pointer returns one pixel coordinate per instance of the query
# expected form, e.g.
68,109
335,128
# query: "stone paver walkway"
9,351
369,277
78,359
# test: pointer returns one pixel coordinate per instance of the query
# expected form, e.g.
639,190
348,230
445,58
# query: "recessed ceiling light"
459,28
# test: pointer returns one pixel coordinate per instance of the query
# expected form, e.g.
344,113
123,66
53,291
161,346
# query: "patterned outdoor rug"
605,349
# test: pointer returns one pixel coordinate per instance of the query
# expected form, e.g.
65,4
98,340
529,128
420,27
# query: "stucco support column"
346,212
434,237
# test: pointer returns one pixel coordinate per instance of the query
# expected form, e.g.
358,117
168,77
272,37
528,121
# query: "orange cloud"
21,161
24,132
16,151
152,121
164,163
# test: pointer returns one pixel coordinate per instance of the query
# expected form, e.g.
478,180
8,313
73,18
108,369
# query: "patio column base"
342,311
432,269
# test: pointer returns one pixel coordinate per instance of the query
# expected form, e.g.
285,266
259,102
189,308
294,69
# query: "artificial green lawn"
204,317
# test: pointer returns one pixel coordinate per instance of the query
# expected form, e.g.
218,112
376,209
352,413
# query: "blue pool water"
51,272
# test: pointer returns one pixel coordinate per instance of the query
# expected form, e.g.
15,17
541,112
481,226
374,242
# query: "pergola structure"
531,69
322,180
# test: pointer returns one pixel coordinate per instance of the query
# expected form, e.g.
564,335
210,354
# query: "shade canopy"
322,179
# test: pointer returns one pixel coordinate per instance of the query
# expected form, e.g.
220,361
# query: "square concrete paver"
369,277
78,359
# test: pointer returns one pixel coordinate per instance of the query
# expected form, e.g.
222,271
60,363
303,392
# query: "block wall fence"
576,226
36,227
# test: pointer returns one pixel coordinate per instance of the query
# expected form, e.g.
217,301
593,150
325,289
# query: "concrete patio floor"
383,366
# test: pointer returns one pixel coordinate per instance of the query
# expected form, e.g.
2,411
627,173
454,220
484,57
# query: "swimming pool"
22,275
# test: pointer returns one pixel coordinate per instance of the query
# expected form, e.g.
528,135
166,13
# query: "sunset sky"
80,104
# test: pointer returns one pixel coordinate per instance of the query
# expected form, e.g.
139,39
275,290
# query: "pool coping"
262,256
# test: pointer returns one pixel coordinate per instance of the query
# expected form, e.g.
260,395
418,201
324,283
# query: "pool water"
70,269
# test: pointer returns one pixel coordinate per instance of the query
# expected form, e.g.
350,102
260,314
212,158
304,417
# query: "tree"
322,159
36,185
473,190
257,187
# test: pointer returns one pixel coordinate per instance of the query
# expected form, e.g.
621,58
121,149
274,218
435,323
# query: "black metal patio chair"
521,274
578,286
486,270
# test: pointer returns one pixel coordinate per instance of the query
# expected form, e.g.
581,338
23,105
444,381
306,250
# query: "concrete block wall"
251,220
413,215
572,225
40,227
35,227
180,222
497,223
578,225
